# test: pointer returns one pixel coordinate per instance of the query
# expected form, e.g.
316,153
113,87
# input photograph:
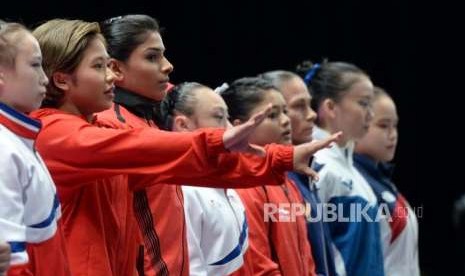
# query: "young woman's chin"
103,106
388,155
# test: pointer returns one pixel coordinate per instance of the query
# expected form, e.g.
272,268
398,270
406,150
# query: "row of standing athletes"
109,161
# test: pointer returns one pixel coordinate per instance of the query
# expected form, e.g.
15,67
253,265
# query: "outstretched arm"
77,152
303,153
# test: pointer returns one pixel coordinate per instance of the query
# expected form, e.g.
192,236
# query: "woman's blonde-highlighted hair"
63,43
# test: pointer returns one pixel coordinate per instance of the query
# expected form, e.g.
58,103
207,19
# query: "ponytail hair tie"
220,89
311,73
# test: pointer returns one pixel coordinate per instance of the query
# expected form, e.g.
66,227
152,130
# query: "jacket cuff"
215,145
283,159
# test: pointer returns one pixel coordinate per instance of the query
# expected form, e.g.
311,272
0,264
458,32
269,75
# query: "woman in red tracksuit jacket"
142,71
278,243
91,162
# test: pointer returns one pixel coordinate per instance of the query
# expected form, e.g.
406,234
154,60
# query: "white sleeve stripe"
19,258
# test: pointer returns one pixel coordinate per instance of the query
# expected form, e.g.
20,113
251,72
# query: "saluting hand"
237,138
303,152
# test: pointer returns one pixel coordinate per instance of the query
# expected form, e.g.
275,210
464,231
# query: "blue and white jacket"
317,230
399,229
217,230
351,211
29,207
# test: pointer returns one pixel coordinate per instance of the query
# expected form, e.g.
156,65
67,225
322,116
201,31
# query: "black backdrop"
216,41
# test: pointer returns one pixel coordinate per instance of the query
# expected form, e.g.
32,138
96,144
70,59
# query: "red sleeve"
245,170
228,171
231,170
259,251
77,152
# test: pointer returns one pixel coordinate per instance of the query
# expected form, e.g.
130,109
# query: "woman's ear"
118,69
62,80
328,108
182,124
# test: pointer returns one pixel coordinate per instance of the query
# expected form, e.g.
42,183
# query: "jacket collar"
340,152
141,106
374,168
19,123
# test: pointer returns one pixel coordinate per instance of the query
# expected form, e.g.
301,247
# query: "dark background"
216,41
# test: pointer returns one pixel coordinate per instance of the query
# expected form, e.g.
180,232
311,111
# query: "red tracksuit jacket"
277,247
165,236
91,164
